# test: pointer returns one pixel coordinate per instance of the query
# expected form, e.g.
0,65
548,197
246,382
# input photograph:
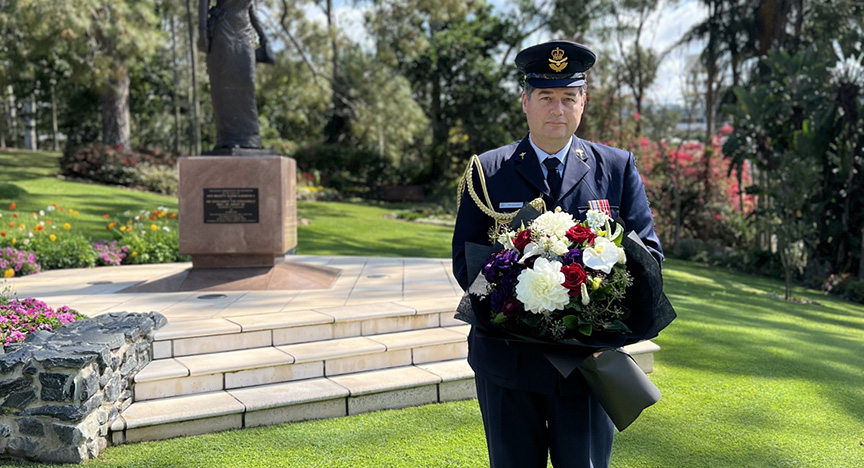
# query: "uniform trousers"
524,427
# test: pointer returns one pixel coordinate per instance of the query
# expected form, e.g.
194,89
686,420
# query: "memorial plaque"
230,205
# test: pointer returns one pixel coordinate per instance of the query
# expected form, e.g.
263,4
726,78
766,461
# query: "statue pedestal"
238,208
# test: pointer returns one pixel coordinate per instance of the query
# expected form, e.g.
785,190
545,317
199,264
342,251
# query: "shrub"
115,164
851,289
344,168
67,250
110,253
159,179
19,318
15,262
149,236
318,194
50,236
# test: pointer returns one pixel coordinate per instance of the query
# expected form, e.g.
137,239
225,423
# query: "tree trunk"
30,142
13,117
196,107
339,126
3,117
115,110
176,91
55,145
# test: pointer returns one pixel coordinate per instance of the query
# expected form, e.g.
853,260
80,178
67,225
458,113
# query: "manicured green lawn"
747,380
358,229
29,179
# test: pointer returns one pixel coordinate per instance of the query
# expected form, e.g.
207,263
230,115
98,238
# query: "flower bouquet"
573,288
551,279
558,277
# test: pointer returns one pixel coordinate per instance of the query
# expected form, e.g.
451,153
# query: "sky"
664,28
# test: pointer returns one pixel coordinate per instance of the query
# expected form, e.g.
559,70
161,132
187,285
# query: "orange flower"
12,224
60,209
173,215
2,234
54,205
105,216
48,222
12,206
112,224
153,218
134,254
39,228
14,215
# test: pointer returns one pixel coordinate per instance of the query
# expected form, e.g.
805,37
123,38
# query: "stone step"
186,375
239,332
324,396
278,403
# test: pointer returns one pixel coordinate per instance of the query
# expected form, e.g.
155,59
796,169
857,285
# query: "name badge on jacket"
505,205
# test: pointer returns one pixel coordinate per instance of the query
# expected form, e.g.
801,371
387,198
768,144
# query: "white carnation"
596,220
602,256
540,288
558,246
554,224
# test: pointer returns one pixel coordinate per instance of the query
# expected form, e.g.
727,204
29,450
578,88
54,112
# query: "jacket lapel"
577,166
528,167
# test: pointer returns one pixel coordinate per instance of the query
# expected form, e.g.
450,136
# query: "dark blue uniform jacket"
513,174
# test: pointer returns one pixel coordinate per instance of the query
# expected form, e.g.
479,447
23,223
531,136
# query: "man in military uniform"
534,406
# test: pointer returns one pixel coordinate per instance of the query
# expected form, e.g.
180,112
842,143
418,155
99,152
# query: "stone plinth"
237,211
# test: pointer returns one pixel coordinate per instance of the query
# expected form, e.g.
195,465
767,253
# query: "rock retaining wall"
61,390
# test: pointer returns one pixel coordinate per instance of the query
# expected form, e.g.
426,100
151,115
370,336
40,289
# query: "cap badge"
558,62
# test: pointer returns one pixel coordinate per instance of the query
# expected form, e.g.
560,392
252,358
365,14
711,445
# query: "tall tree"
102,40
638,65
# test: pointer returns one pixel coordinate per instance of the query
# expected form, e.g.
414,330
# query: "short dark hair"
528,89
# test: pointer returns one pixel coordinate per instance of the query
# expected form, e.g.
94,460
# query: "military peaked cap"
555,64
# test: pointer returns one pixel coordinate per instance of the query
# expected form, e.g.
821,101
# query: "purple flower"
573,256
499,295
19,317
510,278
499,263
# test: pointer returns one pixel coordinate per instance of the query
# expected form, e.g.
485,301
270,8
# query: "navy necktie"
552,177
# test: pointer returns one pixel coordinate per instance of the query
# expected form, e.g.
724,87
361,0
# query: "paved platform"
363,280
383,336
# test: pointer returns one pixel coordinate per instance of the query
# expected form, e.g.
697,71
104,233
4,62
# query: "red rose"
574,276
581,235
522,239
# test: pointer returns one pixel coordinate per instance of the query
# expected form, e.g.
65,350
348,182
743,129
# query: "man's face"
553,115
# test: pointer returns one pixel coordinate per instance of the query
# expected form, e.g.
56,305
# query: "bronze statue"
227,35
